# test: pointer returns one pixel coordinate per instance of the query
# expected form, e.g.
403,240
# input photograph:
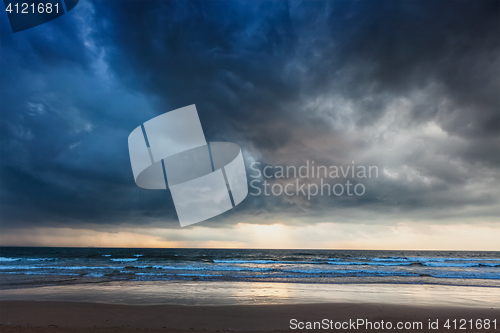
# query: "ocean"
464,268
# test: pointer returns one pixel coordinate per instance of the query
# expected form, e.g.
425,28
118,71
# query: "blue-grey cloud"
411,87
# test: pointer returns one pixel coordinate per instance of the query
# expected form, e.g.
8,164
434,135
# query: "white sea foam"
3,259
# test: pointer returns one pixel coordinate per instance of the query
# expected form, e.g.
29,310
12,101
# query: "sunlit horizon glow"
400,236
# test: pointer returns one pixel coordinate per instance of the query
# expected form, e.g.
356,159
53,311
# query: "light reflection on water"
243,293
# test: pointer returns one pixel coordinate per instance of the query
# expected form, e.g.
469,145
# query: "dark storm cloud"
409,44
411,87
63,129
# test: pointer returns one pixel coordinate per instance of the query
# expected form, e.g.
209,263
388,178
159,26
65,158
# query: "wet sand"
34,316
240,306
202,293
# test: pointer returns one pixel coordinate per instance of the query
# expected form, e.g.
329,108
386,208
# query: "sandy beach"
32,316
245,307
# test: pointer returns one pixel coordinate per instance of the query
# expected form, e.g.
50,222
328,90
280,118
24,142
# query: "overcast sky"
411,87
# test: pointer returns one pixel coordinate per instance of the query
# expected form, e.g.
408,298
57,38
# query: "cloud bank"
409,87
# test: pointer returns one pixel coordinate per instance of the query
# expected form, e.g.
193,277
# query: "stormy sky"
411,87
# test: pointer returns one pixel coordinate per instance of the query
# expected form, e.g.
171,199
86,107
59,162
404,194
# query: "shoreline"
201,293
21,281
70,317
215,307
